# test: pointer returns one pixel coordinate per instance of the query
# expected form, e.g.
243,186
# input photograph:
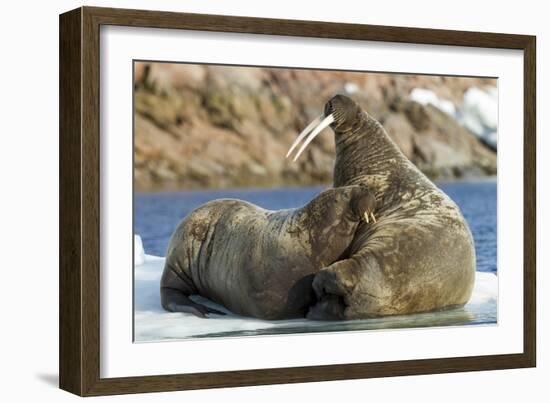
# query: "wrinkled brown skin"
419,256
257,262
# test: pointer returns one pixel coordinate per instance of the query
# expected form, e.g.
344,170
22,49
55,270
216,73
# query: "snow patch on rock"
479,112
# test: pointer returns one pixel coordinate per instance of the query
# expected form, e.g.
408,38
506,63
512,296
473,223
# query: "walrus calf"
257,262
419,256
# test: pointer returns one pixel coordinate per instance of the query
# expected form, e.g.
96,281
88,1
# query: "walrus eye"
315,127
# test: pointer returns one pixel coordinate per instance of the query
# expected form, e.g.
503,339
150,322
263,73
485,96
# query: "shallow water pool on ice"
153,323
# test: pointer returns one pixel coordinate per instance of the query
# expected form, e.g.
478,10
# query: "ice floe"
153,323
139,252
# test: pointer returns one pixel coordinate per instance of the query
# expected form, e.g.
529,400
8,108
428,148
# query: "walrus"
257,262
419,256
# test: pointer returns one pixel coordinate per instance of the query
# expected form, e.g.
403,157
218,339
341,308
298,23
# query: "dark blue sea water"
156,215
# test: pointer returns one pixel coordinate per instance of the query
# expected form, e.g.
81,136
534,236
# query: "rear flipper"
176,301
174,295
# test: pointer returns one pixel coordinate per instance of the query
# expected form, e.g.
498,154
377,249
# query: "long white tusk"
304,133
372,215
326,121
366,215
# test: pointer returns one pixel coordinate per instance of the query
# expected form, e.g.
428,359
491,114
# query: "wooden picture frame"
79,347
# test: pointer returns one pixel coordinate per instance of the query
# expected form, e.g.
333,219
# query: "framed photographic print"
249,201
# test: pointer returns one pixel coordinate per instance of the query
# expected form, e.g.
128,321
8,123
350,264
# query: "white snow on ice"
139,252
153,323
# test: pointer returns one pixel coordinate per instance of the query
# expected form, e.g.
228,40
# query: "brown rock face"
200,126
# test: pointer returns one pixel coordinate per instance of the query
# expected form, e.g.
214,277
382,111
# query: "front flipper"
339,279
176,301
332,285
329,307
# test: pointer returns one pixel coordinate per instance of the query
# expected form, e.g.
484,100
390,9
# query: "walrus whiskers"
325,123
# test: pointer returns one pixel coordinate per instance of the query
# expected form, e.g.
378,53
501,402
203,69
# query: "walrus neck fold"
368,151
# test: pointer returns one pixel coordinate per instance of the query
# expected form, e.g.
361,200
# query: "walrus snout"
340,113
338,104
344,111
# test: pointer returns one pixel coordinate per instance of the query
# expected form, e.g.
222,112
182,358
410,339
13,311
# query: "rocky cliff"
199,126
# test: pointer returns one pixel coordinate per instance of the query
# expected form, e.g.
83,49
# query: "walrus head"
341,113
357,200
365,204
344,111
